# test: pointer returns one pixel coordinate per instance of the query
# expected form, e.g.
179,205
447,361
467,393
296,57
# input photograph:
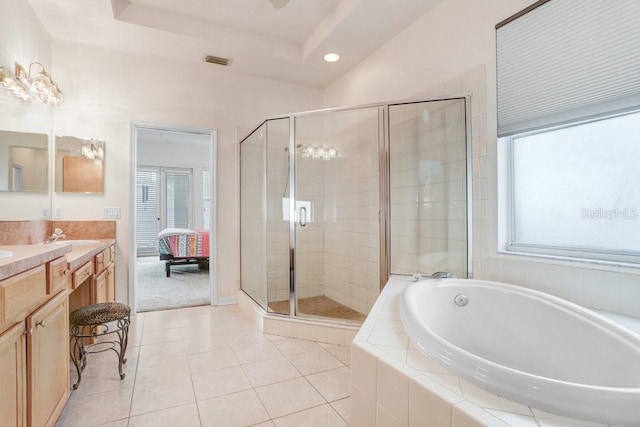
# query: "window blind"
146,210
178,199
567,60
206,198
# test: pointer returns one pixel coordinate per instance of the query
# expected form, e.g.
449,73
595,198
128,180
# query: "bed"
181,246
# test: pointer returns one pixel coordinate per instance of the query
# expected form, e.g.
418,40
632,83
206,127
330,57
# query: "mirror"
79,165
24,162
25,126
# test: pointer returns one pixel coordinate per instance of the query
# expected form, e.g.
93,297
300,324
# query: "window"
568,92
576,189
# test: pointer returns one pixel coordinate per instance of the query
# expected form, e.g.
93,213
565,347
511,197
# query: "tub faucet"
443,275
57,234
437,275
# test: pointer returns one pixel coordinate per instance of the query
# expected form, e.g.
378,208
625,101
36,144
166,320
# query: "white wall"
22,40
457,36
105,91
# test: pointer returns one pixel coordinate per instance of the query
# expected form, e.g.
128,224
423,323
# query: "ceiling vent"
217,60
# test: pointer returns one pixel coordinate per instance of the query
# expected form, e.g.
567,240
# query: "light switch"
58,213
111,213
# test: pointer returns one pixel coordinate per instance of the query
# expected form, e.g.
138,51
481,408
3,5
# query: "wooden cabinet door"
48,361
101,290
13,396
111,282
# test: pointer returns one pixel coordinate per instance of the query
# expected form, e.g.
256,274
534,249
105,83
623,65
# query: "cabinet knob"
63,273
29,331
42,323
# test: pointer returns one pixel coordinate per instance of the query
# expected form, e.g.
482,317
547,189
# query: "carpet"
188,286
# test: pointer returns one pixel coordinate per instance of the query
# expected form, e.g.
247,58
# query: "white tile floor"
208,366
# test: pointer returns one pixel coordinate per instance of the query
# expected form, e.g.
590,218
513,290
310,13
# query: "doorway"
173,204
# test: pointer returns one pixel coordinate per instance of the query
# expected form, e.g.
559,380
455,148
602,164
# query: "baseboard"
227,301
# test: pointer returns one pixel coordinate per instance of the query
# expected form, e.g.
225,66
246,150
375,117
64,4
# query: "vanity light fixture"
14,86
93,149
40,84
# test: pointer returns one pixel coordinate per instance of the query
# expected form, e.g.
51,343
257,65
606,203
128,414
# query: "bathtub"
528,346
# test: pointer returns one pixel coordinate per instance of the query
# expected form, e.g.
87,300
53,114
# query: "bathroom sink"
6,254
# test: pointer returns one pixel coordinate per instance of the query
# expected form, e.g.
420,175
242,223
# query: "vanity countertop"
80,254
28,256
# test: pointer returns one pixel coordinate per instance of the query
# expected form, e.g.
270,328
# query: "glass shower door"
337,232
278,226
428,187
253,238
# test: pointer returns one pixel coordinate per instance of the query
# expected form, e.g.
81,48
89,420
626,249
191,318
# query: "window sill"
606,265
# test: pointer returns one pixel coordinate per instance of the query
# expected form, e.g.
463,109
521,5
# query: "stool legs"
79,351
123,341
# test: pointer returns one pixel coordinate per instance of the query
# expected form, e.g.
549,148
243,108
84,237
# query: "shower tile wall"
352,230
473,82
310,249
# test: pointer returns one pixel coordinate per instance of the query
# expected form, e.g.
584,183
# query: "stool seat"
100,313
88,327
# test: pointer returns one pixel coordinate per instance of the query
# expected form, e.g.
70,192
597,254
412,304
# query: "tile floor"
209,366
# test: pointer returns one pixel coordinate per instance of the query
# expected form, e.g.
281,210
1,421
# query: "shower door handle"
303,220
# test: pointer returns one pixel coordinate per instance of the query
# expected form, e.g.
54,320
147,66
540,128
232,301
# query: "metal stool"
93,321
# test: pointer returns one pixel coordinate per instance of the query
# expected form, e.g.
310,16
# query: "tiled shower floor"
321,306
209,366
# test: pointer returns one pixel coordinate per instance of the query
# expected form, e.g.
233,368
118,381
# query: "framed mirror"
79,165
24,162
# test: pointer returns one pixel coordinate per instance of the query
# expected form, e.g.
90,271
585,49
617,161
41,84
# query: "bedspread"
183,243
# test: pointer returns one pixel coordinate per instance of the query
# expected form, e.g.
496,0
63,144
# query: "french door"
163,200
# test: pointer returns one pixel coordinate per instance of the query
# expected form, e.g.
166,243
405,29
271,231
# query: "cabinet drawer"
56,275
82,274
102,260
22,291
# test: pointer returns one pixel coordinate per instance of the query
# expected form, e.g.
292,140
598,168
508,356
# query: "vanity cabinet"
48,361
57,275
104,286
34,345
14,376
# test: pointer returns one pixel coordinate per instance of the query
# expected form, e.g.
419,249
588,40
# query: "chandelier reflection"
93,149
319,152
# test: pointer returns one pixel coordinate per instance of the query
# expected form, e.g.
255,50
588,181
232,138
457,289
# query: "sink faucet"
57,234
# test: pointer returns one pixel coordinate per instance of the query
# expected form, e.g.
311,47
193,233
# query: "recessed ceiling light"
332,57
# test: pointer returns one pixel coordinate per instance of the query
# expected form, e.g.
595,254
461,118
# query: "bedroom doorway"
173,262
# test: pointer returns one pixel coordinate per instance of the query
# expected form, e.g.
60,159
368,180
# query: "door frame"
212,133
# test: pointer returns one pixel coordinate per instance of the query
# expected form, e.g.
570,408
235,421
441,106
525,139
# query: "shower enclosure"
333,201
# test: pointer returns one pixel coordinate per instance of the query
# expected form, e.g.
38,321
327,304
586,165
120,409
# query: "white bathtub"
529,347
